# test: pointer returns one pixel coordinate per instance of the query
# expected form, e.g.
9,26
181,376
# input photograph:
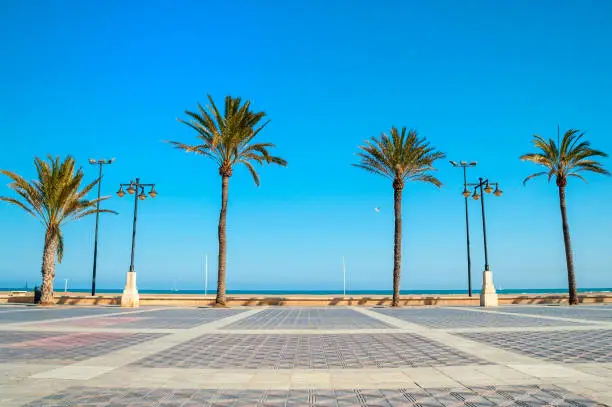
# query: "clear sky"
477,78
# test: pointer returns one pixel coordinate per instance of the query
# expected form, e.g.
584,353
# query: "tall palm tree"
573,157
401,156
55,198
227,139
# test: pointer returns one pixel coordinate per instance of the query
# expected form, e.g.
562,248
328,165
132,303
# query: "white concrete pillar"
488,296
130,298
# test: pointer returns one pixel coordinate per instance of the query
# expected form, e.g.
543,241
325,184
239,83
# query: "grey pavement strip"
575,328
64,349
567,347
155,321
307,318
81,317
548,317
39,328
13,308
324,351
477,396
443,318
65,329
316,331
96,366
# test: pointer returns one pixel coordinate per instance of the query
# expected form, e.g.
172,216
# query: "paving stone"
489,396
285,351
560,346
62,347
308,318
180,318
588,313
19,315
455,318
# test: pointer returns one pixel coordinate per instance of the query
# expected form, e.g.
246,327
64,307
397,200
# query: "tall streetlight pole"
99,163
488,295
466,194
130,293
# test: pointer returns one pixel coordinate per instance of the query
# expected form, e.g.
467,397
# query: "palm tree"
573,157
55,198
400,157
227,139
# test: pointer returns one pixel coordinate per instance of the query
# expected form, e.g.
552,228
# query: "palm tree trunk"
48,269
222,243
571,278
397,250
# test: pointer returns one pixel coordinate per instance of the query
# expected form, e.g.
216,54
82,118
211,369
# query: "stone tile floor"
524,396
458,318
160,319
349,351
14,314
62,347
558,346
589,313
291,318
106,356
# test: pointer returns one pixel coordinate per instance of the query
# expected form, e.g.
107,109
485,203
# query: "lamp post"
466,194
130,292
99,163
488,295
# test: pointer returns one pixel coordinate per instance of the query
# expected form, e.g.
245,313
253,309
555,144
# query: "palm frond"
55,197
571,156
400,155
252,171
537,174
17,203
577,176
227,136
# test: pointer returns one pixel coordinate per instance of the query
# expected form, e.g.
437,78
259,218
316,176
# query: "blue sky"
477,78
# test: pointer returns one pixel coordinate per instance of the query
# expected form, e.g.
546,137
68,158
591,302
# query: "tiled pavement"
341,351
425,357
292,318
459,318
558,346
476,396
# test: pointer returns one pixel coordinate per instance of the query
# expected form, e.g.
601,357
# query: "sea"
332,292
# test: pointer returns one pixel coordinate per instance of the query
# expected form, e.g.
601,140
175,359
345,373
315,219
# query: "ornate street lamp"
466,195
99,163
488,295
130,296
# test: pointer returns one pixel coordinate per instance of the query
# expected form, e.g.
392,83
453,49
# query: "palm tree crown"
570,159
400,157
228,139
54,198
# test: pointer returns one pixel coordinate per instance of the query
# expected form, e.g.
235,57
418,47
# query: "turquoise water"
336,292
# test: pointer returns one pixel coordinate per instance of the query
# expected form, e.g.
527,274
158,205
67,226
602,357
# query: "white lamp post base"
488,296
130,298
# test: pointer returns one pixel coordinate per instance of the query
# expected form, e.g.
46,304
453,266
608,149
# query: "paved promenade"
335,356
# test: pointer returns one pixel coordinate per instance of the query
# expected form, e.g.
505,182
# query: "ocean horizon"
326,292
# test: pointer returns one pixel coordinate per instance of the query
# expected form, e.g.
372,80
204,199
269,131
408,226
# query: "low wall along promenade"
306,300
